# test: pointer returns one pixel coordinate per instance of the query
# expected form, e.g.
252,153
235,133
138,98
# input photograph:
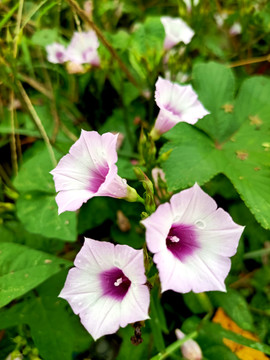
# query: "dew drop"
200,224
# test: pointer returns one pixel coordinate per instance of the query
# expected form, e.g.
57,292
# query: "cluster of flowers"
83,46
81,50
191,239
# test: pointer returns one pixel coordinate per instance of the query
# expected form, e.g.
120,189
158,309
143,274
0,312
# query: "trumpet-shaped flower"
107,287
56,53
177,103
83,48
192,241
176,30
89,170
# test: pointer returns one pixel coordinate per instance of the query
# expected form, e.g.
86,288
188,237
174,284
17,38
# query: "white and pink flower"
89,170
192,242
56,53
177,103
83,48
176,30
107,287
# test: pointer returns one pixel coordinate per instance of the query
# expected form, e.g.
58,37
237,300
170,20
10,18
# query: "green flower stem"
174,346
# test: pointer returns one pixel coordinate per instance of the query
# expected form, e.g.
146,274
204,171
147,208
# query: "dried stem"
104,41
37,121
250,61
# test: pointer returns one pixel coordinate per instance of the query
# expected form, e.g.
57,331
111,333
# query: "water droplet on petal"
200,224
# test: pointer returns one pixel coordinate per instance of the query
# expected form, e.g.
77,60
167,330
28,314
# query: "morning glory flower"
56,53
107,287
89,170
177,103
176,30
192,242
83,48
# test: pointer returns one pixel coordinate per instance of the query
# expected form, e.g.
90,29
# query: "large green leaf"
214,84
34,174
56,332
244,157
38,213
235,306
23,268
194,157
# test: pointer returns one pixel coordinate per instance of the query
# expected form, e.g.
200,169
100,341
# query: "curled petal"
88,170
177,103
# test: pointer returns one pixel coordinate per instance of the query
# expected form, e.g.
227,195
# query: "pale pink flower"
177,103
89,170
176,30
192,241
107,287
83,48
190,348
189,5
56,53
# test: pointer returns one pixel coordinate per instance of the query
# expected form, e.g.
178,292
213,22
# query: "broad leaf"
23,268
244,158
38,213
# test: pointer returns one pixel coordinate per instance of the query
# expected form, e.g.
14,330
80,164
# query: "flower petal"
157,228
135,305
102,318
131,262
95,256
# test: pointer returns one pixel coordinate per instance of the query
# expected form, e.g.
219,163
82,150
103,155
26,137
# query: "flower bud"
190,349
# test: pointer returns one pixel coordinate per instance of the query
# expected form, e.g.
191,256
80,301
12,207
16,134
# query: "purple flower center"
87,54
114,283
98,176
182,241
59,55
169,107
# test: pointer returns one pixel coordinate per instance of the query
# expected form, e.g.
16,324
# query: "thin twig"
36,85
13,148
250,61
104,41
38,122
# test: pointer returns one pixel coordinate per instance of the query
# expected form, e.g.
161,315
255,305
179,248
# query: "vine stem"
38,122
250,61
82,14
174,346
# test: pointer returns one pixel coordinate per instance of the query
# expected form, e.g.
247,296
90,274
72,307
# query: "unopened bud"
164,156
190,349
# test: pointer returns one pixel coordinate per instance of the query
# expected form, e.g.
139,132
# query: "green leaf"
146,46
214,84
34,173
156,323
210,353
22,269
45,37
235,306
212,333
38,213
194,157
244,158
56,332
